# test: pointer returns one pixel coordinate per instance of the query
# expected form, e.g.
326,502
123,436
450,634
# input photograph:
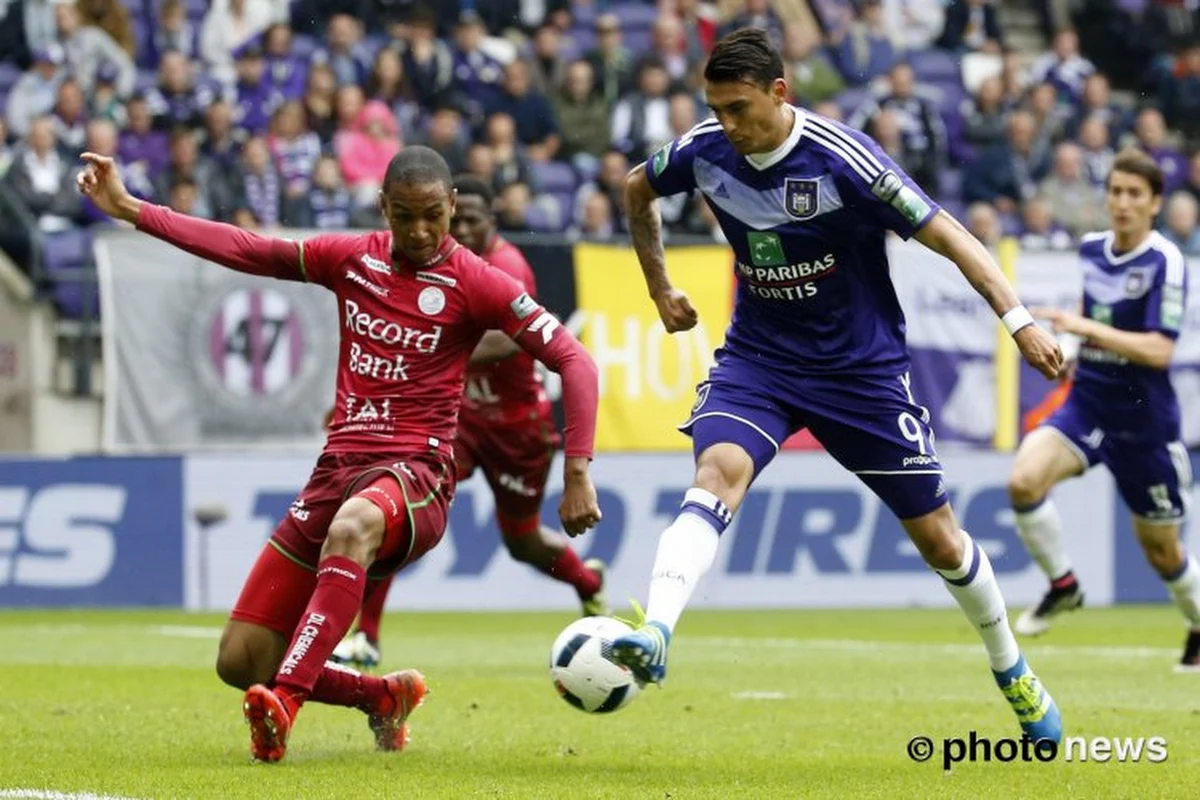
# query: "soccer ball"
581,673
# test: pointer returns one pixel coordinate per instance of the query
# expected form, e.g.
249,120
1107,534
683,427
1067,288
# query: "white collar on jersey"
1116,260
761,161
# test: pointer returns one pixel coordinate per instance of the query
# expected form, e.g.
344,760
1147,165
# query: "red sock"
569,569
331,609
338,685
372,608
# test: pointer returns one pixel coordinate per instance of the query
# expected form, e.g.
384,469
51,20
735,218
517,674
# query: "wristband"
1016,319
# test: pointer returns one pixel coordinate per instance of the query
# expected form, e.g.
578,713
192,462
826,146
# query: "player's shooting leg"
249,654
1043,461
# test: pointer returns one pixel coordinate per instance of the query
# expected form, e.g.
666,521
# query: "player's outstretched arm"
223,244
946,236
494,346
645,227
1147,348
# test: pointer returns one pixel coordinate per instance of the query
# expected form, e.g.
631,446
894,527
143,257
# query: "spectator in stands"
446,132
389,85
1064,67
364,150
428,61
699,25
139,143
176,100
1008,174
345,51
1182,222
1015,79
583,117
320,95
112,17
294,148
217,192
36,18
518,18
595,220
641,120
512,207
264,188
183,196
230,24
246,219
537,130
285,71
328,203
669,44
104,101
547,67
609,183
984,223
1039,229
972,26
1153,137
1097,102
922,133
43,179
1179,91
754,14
257,99
1076,202
612,63
482,164
102,140
70,118
35,91
886,128
478,77
810,75
1049,115
174,33
861,47
1097,154
512,165
222,142
986,115
6,151
914,24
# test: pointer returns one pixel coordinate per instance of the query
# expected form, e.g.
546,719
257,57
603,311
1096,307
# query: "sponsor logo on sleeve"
658,162
523,306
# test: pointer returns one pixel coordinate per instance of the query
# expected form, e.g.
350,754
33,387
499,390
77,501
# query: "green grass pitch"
786,704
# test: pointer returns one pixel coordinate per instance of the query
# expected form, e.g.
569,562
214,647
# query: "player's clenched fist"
579,510
675,311
101,183
1041,350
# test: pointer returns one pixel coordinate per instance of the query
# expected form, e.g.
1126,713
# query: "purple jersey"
1142,290
808,224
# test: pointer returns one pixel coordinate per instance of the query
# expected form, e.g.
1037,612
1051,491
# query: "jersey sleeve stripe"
707,126
852,144
1174,259
841,153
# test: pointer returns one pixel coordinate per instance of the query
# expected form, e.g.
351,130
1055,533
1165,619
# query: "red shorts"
413,492
515,459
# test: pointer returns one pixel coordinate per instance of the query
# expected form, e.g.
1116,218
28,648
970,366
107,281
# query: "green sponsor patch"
766,249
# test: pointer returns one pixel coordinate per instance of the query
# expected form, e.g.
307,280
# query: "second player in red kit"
506,431
413,305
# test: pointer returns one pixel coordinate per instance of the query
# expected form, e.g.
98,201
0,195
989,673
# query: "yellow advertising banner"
648,377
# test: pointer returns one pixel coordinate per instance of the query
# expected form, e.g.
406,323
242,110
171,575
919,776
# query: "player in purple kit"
1122,410
817,341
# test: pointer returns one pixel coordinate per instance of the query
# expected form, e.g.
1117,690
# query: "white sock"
1041,530
1185,589
686,551
981,602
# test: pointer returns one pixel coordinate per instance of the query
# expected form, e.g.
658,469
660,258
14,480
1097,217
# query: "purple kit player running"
816,341
1122,410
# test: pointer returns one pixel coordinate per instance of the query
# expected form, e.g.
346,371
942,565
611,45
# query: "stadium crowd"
275,113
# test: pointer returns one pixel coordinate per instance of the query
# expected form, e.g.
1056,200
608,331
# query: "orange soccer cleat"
269,723
389,720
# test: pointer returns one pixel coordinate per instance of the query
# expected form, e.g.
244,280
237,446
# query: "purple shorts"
1154,477
870,424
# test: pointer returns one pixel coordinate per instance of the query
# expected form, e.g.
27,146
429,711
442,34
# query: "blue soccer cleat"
1035,708
644,652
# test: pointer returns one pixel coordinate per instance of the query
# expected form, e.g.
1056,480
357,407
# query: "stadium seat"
635,16
954,207
541,218
303,46
851,99
585,39
566,205
638,40
935,66
64,254
146,80
9,75
950,183
554,176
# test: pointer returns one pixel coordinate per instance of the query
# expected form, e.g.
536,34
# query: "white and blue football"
581,673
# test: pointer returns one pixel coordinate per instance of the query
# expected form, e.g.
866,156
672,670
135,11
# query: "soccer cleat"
644,652
1190,663
269,723
1036,710
358,651
389,722
596,605
1036,621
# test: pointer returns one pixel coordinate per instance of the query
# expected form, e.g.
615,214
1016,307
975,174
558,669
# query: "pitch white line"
187,631
758,696
43,794
868,647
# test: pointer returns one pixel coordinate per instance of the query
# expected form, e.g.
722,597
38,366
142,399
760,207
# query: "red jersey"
511,389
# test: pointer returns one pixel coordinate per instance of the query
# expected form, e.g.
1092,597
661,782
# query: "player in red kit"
506,430
413,304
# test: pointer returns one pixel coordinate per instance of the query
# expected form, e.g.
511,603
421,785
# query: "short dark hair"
418,165
744,55
1133,161
473,185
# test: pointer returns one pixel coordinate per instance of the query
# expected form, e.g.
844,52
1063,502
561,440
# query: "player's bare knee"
1163,551
236,665
352,536
1025,487
938,538
726,472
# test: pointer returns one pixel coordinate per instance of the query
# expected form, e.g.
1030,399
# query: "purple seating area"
67,258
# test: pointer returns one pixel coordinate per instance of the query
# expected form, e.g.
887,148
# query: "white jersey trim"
768,160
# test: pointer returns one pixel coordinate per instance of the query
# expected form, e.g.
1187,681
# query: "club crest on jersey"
431,301
800,197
